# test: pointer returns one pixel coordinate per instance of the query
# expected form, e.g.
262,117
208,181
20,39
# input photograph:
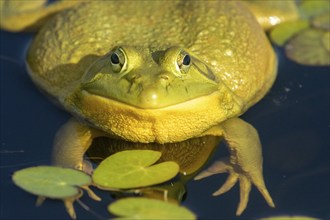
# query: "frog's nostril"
136,76
164,77
164,80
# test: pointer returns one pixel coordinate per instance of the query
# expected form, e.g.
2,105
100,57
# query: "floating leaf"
309,47
322,21
326,40
51,182
287,217
309,8
284,31
56,183
143,208
132,169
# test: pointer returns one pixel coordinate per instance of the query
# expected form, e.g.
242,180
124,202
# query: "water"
292,120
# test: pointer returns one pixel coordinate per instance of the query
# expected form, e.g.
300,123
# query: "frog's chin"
168,124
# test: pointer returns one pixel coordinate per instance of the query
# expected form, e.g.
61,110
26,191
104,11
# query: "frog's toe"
245,188
245,179
68,203
230,182
258,181
91,194
223,166
220,166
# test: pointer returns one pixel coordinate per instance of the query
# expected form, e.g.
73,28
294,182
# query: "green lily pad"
9,6
326,40
284,31
288,217
133,169
143,208
310,8
51,182
309,47
322,21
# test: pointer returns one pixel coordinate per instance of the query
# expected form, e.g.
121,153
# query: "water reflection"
190,155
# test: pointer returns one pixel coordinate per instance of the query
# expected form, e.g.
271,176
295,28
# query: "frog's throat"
169,124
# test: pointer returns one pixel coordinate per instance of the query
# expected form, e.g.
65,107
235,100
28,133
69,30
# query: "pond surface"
292,120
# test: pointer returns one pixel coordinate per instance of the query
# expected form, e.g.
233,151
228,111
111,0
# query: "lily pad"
310,8
9,6
51,182
322,21
133,169
309,47
143,208
284,31
287,217
326,40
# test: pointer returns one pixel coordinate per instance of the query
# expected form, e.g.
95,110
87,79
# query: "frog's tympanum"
156,71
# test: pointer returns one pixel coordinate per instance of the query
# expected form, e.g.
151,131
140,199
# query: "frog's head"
141,94
149,79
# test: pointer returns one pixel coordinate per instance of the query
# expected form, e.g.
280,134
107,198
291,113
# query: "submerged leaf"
309,47
132,169
284,31
143,208
51,182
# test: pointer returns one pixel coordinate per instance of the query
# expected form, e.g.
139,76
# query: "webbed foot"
246,179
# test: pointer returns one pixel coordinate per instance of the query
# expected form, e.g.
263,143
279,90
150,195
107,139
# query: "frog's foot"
85,166
246,179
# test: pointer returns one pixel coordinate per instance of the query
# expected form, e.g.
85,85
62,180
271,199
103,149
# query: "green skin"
154,72
165,83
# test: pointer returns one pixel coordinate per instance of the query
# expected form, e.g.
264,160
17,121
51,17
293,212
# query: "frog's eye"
118,60
184,61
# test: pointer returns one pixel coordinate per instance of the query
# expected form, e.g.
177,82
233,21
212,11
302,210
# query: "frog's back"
222,34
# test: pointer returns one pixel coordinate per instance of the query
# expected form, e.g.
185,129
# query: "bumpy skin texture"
232,67
228,40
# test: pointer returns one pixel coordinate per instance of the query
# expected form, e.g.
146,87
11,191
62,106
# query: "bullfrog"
157,72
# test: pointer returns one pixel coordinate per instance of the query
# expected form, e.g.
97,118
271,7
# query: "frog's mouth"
155,95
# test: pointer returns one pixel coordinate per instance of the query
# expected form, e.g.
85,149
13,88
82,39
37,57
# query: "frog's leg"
245,161
29,15
71,142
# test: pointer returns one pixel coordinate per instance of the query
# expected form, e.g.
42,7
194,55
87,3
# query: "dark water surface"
292,120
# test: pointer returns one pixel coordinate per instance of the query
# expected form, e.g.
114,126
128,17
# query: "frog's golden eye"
184,61
118,60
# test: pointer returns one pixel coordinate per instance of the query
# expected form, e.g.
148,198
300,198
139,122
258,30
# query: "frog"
155,72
